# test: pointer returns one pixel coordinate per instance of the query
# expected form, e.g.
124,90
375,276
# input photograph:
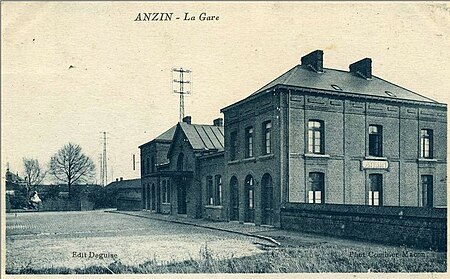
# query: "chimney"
187,119
117,179
363,68
121,178
314,61
218,122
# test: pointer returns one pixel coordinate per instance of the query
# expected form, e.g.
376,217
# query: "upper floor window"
375,190
233,145
426,143
427,190
316,187
267,135
249,142
375,141
315,137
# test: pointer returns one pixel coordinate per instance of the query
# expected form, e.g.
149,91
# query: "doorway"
234,199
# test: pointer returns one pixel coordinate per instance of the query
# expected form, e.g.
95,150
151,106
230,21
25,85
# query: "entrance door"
234,199
267,199
181,195
249,200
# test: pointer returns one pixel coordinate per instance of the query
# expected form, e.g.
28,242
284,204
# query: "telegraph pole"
105,161
182,78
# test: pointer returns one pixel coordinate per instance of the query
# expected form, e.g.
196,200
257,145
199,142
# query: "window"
316,188
249,184
218,190
375,141
336,87
267,135
209,190
233,145
148,166
375,190
427,190
426,143
249,142
315,137
168,191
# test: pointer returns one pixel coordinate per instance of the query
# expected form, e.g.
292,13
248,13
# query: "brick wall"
411,226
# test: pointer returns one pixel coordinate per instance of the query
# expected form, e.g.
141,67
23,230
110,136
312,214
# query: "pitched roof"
204,137
166,136
125,184
302,76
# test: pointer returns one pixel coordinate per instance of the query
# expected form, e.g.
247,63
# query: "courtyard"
83,239
143,242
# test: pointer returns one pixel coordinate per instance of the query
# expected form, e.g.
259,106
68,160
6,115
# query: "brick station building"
314,135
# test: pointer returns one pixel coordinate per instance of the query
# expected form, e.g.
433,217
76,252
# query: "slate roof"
204,137
125,184
301,76
166,136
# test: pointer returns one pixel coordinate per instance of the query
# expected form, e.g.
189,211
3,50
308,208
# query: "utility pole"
100,163
105,161
182,78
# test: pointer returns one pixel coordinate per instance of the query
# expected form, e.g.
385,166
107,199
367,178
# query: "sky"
120,81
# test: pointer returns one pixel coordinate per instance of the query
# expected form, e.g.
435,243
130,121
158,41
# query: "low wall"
128,204
412,226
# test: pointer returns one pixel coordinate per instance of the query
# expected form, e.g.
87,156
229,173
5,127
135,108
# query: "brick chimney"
363,68
218,122
187,119
314,61
121,178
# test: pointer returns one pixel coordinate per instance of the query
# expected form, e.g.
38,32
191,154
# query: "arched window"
316,192
249,199
180,162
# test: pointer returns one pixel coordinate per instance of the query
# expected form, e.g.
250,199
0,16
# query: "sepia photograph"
224,138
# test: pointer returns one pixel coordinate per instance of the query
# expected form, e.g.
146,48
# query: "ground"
144,242
49,239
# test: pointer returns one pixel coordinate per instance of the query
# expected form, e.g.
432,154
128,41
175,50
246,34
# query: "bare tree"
71,166
33,173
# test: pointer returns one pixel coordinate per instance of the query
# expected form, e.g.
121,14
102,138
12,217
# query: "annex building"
314,136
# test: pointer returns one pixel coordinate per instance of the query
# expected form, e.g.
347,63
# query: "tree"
71,166
33,173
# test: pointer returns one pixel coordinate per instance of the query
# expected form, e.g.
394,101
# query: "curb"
202,226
